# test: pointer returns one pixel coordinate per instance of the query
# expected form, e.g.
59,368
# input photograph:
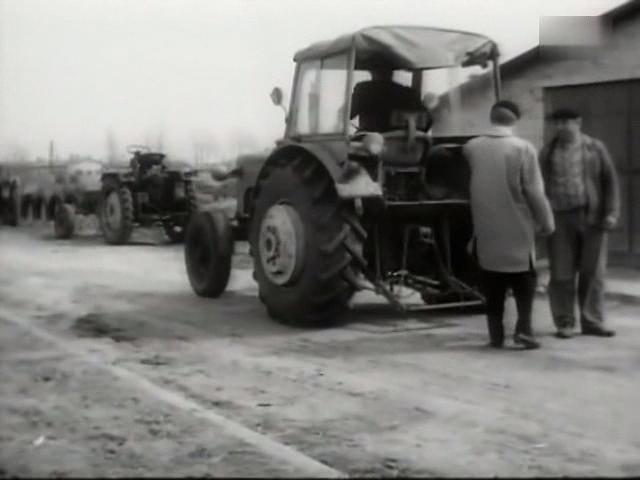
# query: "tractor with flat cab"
367,190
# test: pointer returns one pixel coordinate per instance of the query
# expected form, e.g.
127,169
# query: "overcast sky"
182,70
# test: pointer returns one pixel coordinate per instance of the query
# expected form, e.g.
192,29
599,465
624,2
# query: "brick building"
603,83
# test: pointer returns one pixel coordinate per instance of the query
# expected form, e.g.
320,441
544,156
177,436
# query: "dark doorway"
611,112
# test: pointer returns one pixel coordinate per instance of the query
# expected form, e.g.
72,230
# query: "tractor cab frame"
344,203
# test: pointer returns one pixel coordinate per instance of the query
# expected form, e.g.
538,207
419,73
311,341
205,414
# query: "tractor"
149,192
367,190
76,191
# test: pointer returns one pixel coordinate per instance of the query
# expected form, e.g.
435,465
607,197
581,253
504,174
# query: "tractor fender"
351,181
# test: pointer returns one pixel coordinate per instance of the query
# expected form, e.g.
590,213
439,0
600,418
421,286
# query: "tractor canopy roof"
406,47
157,156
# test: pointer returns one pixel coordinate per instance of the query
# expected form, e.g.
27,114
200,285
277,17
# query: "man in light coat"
508,207
582,186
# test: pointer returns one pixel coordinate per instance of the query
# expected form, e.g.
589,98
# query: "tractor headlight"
373,143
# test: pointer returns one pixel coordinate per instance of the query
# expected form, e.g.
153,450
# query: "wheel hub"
281,244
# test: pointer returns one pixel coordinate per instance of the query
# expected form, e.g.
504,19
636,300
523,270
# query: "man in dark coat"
374,100
582,186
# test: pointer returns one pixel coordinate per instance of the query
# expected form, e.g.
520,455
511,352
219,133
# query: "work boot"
527,341
598,331
564,332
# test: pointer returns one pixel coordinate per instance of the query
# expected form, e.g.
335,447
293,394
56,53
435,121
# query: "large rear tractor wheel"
64,220
116,214
306,244
208,249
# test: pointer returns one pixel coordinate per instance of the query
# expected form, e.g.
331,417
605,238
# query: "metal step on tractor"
368,189
148,192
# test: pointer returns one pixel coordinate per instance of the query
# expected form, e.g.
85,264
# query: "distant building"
603,83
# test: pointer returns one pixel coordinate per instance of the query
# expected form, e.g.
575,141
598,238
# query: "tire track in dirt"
462,416
262,442
466,396
477,399
465,406
91,425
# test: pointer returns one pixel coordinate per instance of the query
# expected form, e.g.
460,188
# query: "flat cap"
509,106
564,114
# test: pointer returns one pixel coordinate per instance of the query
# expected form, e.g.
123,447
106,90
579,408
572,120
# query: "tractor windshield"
320,93
445,91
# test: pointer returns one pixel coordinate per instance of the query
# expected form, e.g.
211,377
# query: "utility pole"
51,153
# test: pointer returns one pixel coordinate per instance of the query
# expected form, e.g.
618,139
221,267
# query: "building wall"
525,84
619,60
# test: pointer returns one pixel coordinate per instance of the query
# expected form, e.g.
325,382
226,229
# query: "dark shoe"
598,332
527,341
493,344
564,333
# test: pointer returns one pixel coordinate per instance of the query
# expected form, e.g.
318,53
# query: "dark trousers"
577,251
495,285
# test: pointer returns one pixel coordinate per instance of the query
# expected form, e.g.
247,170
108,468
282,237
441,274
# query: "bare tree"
243,142
14,153
206,148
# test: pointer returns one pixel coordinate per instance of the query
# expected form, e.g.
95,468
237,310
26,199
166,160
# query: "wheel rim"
281,244
112,211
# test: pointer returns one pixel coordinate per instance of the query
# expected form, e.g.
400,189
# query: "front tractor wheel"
208,248
64,220
116,214
307,246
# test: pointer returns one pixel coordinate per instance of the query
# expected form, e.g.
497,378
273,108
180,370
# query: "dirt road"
110,366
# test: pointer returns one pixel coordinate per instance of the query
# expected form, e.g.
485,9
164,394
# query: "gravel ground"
111,366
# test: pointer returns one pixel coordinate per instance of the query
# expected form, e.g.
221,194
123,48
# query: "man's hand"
609,222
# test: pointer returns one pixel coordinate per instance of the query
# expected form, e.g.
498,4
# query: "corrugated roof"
623,12
614,16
